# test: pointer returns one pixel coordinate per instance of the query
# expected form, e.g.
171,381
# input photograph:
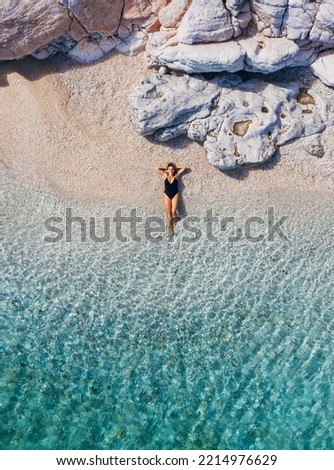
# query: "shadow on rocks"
33,69
301,75
242,173
181,142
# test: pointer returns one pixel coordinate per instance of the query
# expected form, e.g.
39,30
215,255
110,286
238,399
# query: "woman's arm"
161,170
181,170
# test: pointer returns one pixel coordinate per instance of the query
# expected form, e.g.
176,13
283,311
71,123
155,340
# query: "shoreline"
301,210
68,132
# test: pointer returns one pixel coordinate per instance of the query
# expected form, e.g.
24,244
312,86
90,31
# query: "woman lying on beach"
171,193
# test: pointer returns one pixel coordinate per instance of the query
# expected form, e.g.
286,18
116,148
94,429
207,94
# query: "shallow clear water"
167,345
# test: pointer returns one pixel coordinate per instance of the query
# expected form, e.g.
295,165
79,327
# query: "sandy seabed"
66,129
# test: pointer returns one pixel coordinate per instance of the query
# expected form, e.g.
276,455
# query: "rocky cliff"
192,36
197,38
85,29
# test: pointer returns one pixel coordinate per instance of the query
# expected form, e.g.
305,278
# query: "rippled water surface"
167,345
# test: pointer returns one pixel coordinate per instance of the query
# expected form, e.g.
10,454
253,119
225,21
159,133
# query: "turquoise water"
168,345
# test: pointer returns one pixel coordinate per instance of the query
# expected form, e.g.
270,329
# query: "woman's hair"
171,164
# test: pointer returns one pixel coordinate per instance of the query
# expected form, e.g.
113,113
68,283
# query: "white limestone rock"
108,43
254,54
257,118
299,17
171,15
268,55
205,21
132,43
323,68
247,130
87,50
308,52
106,16
31,26
289,33
213,21
44,53
295,19
101,17
239,123
195,58
165,101
27,25
241,15
63,44
195,36
269,16
323,28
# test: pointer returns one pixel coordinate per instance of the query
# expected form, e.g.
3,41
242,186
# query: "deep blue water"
168,345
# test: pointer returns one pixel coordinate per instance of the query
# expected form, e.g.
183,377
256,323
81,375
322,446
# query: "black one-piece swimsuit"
171,189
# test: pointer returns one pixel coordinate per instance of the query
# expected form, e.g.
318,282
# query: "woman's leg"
175,202
168,206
